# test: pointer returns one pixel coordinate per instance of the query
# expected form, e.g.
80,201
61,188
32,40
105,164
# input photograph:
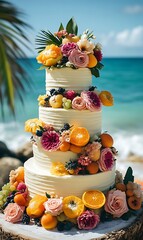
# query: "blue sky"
117,24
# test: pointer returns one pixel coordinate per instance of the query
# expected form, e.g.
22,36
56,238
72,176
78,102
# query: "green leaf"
61,27
72,27
48,195
99,65
95,72
42,67
129,176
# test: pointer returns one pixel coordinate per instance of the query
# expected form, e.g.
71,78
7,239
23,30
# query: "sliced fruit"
92,61
106,98
48,221
93,199
72,206
93,168
106,140
65,146
134,203
75,149
79,136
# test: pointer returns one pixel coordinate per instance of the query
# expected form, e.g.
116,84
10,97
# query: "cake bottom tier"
40,183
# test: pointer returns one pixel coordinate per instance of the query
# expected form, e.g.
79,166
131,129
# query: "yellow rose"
32,125
41,100
50,55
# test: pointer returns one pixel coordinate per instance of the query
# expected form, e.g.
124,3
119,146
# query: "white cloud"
134,9
130,38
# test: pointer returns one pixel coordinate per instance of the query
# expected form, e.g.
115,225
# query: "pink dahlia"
106,160
70,94
98,55
78,59
50,140
67,48
88,220
84,160
92,100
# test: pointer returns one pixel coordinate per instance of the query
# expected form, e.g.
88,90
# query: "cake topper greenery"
65,48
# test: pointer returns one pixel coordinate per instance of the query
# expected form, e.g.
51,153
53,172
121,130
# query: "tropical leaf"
61,27
72,26
95,72
47,38
13,77
129,176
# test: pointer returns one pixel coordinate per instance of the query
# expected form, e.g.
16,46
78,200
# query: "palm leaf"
47,38
61,27
13,76
72,26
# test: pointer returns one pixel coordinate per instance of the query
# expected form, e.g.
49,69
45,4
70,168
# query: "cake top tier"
67,48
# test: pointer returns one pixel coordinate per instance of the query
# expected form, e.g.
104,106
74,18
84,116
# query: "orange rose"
50,55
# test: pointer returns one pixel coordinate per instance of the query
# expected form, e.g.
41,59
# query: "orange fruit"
121,186
106,98
65,146
20,174
106,140
20,200
35,207
92,61
129,193
93,168
73,206
93,199
134,203
48,221
75,149
79,136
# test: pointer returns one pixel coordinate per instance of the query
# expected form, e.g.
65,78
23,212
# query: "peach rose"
78,59
116,203
78,103
13,212
50,55
54,206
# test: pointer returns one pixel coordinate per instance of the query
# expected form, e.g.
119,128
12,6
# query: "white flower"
85,46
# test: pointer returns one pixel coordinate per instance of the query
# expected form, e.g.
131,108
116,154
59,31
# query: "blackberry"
61,90
92,88
47,98
52,91
72,164
60,226
37,221
25,219
64,60
68,225
39,133
66,126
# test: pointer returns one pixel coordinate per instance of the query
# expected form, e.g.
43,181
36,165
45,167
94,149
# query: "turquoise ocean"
123,77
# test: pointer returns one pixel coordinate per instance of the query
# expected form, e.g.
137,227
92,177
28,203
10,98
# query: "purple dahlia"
88,220
67,48
92,100
98,55
50,140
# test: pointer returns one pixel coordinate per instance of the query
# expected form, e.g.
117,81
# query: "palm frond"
13,76
47,38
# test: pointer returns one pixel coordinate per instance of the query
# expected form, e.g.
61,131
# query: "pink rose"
106,160
92,100
78,58
54,206
78,103
13,212
88,220
116,203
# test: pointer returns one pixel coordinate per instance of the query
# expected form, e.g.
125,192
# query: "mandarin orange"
106,98
75,149
79,136
106,140
48,221
65,146
92,61
93,199
20,200
93,168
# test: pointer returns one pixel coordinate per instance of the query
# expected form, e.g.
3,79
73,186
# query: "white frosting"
71,79
39,182
85,118
44,159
